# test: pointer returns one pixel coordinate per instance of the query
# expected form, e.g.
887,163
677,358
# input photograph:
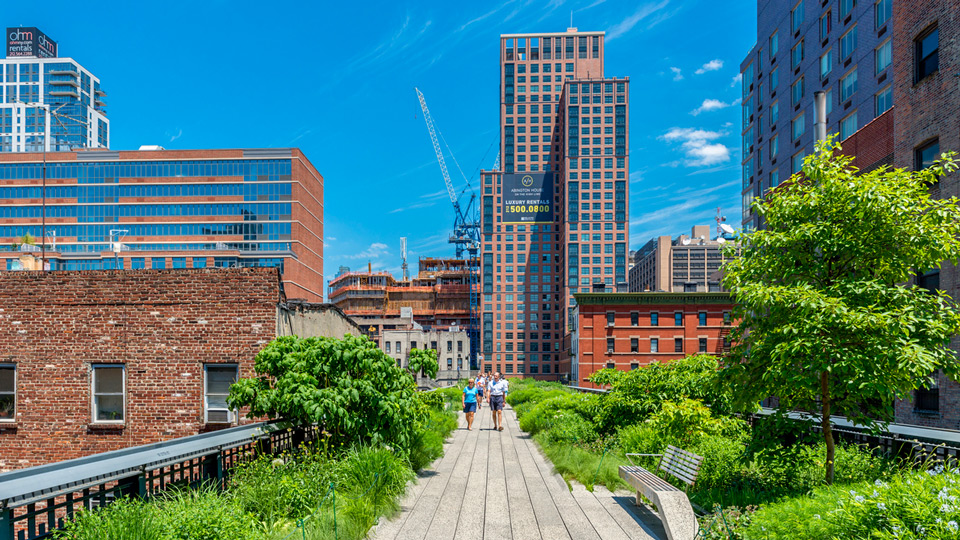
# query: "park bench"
677,515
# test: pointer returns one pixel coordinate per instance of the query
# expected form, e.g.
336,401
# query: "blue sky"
337,80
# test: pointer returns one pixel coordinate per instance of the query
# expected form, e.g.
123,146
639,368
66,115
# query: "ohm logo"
20,35
527,180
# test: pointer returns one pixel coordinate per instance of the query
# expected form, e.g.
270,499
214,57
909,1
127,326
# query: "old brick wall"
163,325
925,110
872,145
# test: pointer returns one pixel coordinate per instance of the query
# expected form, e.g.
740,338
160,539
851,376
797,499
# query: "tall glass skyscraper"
555,217
33,81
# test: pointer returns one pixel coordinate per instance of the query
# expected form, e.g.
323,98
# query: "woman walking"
469,400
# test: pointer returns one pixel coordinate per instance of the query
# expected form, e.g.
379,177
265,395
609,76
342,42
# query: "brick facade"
872,145
927,110
633,343
162,325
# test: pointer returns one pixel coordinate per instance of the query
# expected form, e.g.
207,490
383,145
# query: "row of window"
111,172
108,393
655,345
97,233
413,345
655,318
96,193
559,47
521,369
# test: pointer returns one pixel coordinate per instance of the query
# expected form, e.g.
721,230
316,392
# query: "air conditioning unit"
220,416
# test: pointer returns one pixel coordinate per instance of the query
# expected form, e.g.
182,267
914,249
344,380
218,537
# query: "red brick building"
102,360
629,330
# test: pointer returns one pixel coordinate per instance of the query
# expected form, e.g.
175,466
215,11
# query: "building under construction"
438,298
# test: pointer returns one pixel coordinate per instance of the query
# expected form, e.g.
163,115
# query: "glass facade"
166,214
29,87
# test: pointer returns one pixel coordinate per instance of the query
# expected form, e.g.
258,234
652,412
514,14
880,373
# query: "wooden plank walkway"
497,486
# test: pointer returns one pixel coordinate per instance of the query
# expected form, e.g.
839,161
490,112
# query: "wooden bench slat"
685,453
671,466
646,479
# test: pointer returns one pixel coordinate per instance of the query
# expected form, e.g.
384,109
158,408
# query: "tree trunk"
825,424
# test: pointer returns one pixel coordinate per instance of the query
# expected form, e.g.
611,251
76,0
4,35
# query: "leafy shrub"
913,505
722,464
683,423
205,514
353,390
544,414
277,488
569,427
635,395
588,467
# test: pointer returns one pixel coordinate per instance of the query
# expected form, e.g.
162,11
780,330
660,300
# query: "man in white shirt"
497,390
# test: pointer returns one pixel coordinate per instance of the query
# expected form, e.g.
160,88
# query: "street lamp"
43,183
459,363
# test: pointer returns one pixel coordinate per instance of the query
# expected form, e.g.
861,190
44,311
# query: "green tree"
826,322
423,361
348,387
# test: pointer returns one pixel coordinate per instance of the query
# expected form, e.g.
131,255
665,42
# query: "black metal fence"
36,501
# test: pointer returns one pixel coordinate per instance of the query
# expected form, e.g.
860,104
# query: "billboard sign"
28,41
528,198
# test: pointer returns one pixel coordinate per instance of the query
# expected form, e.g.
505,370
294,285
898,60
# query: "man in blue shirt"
498,392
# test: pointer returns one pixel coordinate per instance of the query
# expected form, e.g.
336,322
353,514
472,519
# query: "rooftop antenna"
720,219
403,256
571,18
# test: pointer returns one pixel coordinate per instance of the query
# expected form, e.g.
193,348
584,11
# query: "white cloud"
375,251
736,79
331,239
177,136
677,74
710,104
627,24
699,146
412,207
712,65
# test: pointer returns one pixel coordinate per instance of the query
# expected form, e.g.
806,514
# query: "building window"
882,11
634,318
774,44
848,85
846,6
610,318
678,318
848,43
634,366
509,368
199,262
634,345
108,393
702,318
796,17
927,53
158,263
925,155
883,101
610,345
796,162
774,80
654,345
848,126
8,392
825,25
796,55
797,126
884,55
678,344
654,319
219,377
137,263
927,400
929,280
774,147
726,317
826,63
399,349
796,91
774,114
703,344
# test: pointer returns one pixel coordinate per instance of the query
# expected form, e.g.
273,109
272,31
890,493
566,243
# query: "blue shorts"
480,392
496,403
470,407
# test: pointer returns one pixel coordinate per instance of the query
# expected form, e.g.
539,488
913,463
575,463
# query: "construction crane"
403,257
466,230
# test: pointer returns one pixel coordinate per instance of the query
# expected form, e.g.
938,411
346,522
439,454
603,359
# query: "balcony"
65,92
100,92
62,82
70,72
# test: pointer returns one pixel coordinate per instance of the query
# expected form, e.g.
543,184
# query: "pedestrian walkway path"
496,485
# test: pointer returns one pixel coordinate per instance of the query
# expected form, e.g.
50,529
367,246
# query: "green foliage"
683,423
546,413
125,519
912,505
637,394
825,324
588,467
354,391
275,488
428,443
423,361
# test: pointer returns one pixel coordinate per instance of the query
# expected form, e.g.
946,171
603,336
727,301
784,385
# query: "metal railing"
37,500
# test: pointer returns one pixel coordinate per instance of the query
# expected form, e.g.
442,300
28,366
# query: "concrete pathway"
496,485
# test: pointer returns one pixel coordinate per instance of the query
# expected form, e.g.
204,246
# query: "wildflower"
881,506
953,526
859,498
875,494
946,508
817,516
853,492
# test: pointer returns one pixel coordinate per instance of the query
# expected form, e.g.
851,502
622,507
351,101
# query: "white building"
452,346
35,82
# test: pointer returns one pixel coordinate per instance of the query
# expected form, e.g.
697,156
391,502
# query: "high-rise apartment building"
841,47
101,210
681,264
555,216
35,82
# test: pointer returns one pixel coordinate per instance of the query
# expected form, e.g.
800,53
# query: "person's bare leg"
469,421
494,413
